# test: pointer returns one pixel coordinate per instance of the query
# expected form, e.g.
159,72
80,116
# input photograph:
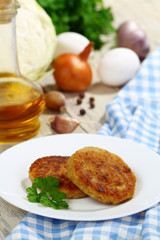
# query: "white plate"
15,162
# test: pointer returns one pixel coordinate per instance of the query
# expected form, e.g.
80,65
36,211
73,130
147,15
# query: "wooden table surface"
146,14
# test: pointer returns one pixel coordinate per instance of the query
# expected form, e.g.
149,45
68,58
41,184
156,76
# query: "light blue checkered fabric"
134,113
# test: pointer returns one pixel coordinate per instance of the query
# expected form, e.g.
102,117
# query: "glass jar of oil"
21,100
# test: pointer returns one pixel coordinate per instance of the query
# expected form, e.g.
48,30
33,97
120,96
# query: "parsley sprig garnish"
49,195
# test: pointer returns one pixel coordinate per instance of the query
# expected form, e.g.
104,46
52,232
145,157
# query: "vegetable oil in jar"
20,106
21,100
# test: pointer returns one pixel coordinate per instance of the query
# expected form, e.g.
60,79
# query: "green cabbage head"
36,40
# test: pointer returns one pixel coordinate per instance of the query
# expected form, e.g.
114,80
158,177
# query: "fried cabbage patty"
55,166
102,175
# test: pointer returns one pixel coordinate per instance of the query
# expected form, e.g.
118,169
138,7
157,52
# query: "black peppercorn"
81,95
91,99
79,101
92,105
82,112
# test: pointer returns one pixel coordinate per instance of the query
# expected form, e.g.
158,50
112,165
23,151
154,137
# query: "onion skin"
129,35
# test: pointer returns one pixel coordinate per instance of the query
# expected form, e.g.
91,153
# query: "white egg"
118,66
70,42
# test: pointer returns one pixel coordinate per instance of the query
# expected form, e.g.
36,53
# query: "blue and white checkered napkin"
134,113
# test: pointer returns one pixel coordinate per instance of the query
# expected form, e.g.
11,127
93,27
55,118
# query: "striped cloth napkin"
134,113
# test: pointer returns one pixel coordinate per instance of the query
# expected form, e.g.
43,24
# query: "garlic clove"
64,124
55,100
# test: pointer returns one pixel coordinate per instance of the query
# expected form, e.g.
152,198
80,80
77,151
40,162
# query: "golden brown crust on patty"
101,175
55,166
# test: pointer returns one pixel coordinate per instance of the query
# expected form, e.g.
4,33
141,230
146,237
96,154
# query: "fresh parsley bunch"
87,17
49,195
